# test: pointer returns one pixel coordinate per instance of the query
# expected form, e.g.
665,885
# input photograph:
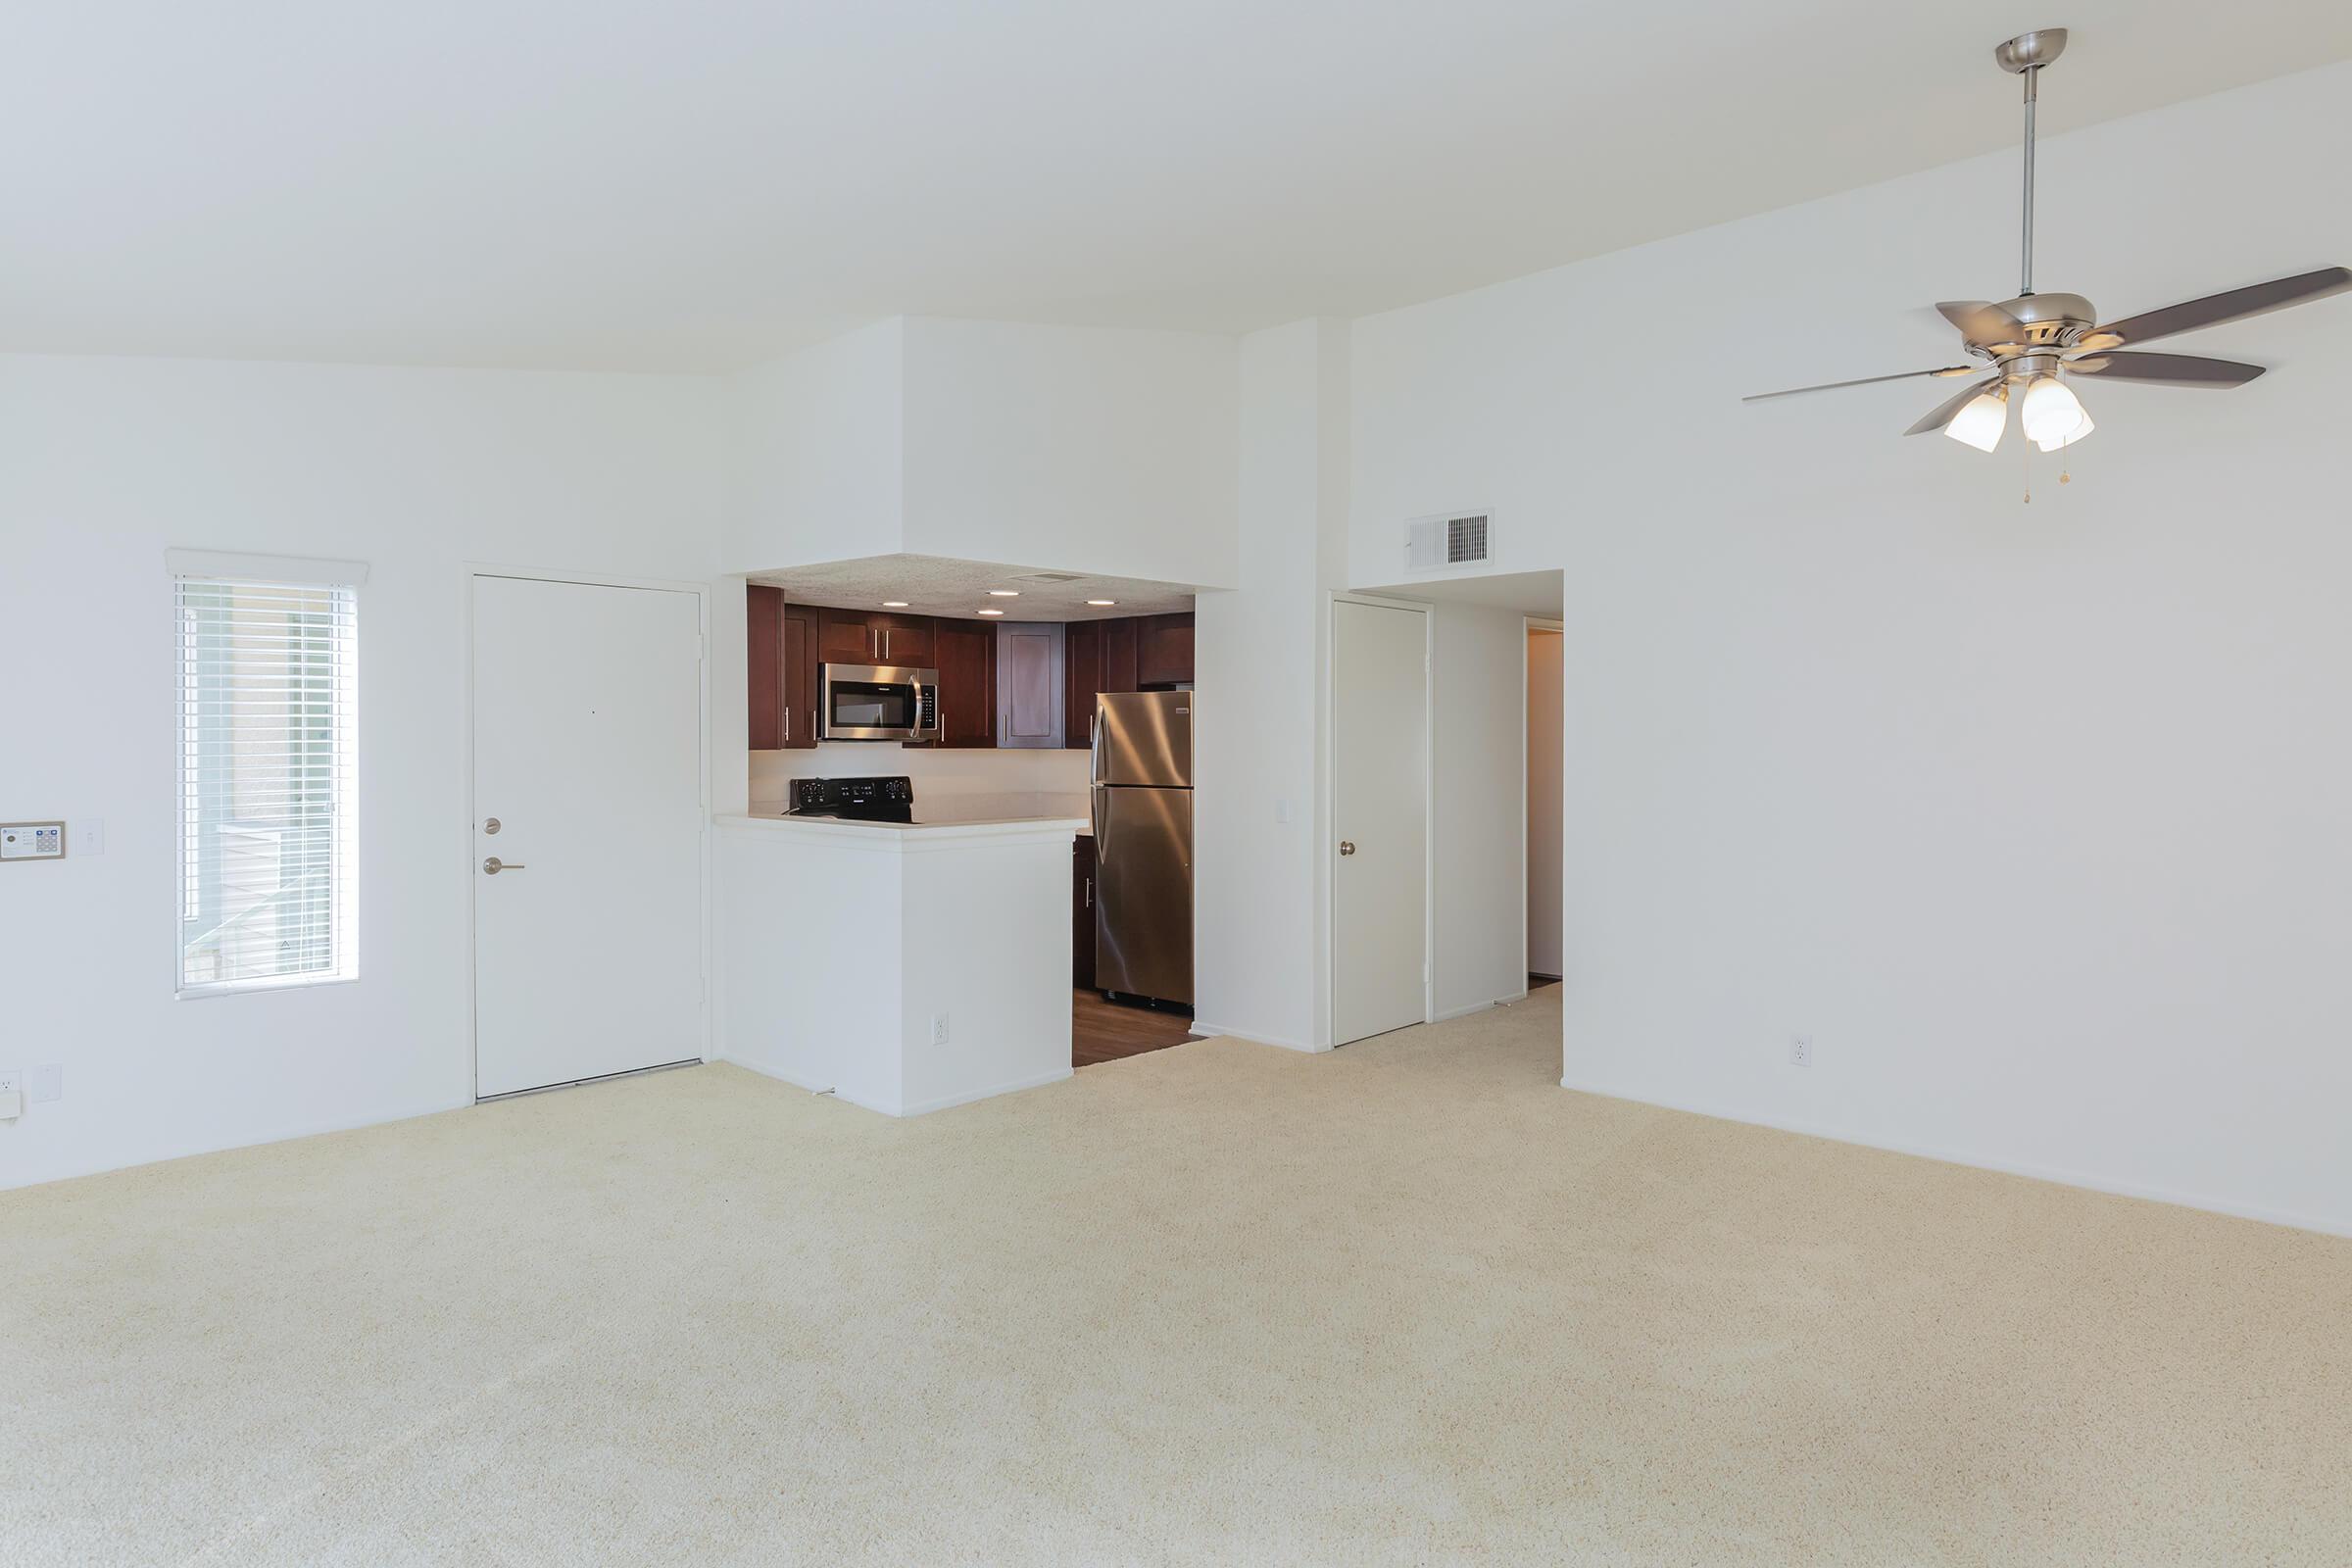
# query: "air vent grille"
1450,539
1050,576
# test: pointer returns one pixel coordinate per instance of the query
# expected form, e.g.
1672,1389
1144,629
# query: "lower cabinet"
1081,913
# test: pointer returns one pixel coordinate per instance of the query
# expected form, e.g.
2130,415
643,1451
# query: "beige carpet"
1412,1303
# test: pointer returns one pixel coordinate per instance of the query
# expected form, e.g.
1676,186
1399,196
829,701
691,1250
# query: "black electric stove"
855,799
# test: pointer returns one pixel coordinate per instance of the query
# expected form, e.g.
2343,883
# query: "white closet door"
1380,782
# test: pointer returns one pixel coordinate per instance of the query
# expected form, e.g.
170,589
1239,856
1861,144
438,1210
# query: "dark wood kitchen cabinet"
874,637
1081,678
965,657
1124,653
780,643
1120,641
800,678
1163,650
1082,912
844,637
763,669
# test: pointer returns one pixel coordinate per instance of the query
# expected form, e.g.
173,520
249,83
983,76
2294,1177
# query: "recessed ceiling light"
1004,593
992,612
1102,601
894,603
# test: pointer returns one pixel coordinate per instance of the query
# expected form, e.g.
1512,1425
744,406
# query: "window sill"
251,988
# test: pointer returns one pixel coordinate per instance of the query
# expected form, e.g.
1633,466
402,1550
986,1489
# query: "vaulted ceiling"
691,184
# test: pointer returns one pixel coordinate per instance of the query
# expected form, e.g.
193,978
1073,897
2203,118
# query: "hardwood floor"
1107,1031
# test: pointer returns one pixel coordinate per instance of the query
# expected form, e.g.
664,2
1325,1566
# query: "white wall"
1075,448
1258,909
105,462
2033,818
815,447
1085,449
1477,726
1545,751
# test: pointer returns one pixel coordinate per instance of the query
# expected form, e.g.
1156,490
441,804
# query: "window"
267,782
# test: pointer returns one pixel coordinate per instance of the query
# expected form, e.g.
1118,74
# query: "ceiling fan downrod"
2025,55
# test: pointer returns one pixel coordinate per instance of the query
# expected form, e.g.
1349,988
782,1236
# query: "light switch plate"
88,836
45,1083
32,840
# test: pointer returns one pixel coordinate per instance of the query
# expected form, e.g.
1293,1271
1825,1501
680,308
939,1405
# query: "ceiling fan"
2034,342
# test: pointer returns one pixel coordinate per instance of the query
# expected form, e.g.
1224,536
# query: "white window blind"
267,784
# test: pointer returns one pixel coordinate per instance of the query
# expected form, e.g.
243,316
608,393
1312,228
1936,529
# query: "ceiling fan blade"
1868,380
1942,414
2255,299
2165,369
1980,320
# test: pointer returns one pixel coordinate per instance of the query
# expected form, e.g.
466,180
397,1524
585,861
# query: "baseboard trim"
1255,1037
193,1151
944,1102
1465,1011
949,1101
2057,1174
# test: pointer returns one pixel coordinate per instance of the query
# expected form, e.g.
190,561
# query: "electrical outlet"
11,1080
939,1028
1800,1050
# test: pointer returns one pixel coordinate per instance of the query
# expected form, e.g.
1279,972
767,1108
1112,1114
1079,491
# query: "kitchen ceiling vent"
1450,539
1048,576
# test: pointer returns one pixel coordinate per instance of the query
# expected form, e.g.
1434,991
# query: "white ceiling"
1531,593
935,585
698,185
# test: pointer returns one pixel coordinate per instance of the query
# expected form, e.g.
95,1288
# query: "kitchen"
916,909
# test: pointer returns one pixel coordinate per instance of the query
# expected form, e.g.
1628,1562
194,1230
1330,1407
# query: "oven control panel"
849,797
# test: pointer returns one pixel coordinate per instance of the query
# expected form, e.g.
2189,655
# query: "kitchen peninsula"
903,965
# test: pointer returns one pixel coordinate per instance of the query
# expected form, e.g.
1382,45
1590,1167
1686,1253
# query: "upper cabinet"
763,673
781,677
965,657
787,643
873,637
1163,650
1124,653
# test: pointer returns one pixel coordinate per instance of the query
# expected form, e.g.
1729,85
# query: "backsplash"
936,772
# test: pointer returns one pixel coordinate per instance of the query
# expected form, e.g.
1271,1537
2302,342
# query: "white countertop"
971,817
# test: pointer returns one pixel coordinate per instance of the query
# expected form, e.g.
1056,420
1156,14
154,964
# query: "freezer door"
1144,893
1143,738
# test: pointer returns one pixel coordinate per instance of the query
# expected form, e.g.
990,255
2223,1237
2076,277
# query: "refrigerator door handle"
1094,811
1093,749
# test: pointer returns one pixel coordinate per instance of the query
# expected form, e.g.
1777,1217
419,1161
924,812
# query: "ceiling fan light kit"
2032,344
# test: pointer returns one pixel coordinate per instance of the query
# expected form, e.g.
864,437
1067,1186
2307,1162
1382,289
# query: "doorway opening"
1547,756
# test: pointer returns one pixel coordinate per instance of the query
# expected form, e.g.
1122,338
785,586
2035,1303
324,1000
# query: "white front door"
1380,779
587,754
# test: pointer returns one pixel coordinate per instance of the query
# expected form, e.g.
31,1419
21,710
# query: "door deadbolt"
491,826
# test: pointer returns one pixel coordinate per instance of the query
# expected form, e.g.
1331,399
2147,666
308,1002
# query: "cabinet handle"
1089,891
788,723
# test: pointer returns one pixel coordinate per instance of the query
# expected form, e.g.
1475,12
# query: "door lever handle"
492,866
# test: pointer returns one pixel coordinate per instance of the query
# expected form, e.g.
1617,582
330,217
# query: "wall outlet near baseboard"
939,1028
1800,1050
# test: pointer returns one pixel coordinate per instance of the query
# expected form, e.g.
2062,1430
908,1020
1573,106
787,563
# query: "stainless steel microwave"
877,703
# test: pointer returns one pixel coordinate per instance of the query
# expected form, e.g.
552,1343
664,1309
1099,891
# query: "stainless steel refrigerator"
1142,820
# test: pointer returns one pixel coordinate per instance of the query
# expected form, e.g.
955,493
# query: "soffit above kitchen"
935,585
